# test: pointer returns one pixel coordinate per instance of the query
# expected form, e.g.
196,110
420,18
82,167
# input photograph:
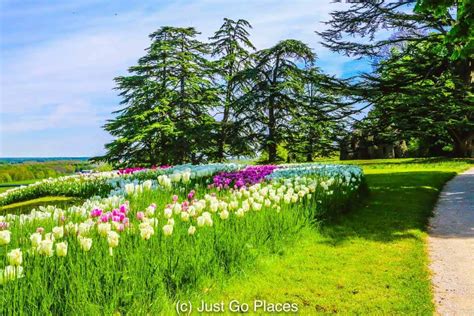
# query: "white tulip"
61,249
15,257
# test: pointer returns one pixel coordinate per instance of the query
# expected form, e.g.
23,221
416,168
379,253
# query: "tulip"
224,215
240,212
49,236
61,249
35,239
184,216
140,216
201,221
15,257
103,229
11,273
5,236
45,247
146,232
85,243
191,230
113,239
168,230
71,228
150,210
58,232
176,208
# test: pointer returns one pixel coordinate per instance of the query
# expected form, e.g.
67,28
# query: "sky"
58,60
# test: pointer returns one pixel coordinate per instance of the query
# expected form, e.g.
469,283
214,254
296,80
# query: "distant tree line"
36,170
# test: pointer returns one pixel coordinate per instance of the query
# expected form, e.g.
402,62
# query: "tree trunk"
223,132
463,144
271,142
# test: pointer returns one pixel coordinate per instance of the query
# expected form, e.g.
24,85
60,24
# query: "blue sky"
58,59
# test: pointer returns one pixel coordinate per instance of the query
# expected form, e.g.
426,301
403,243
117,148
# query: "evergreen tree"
317,124
428,84
167,99
231,44
274,82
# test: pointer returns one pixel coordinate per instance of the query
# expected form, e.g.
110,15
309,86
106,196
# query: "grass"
371,261
27,206
10,185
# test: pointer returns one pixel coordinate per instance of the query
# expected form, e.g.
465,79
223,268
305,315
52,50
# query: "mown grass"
371,261
27,206
7,186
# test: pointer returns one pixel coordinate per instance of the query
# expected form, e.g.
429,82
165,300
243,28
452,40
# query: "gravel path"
451,247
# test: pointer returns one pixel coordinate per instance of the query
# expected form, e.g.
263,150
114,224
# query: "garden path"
451,247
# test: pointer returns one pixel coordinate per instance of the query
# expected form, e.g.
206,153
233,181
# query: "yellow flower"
191,230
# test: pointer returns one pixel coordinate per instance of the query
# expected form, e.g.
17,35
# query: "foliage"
232,45
167,99
422,84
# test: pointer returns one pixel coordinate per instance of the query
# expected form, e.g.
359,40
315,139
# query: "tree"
232,44
428,84
317,124
274,82
167,98
419,97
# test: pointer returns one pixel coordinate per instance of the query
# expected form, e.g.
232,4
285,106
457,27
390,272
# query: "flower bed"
159,239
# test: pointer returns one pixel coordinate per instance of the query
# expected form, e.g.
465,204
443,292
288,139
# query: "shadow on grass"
398,206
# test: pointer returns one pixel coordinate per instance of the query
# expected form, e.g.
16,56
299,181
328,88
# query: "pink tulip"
140,216
175,198
123,208
96,212
104,218
40,230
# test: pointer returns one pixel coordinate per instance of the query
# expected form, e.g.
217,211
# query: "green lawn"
373,260
6,186
27,206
